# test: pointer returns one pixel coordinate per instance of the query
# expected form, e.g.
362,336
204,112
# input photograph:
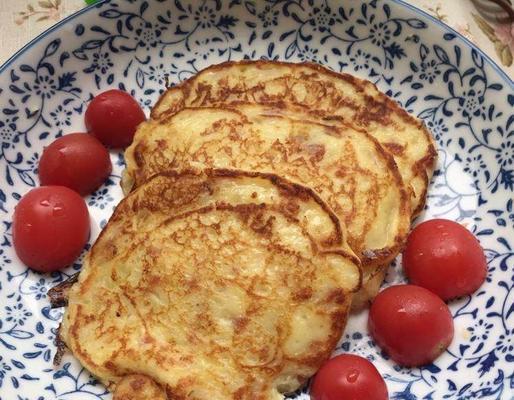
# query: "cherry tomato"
78,161
348,377
112,117
445,258
412,324
50,227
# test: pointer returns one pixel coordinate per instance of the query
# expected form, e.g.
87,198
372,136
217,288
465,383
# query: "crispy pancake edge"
375,257
423,167
289,188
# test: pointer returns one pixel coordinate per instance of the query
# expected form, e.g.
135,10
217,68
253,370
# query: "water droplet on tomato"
44,203
352,375
58,210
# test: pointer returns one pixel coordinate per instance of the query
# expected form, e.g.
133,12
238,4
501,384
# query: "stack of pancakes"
264,200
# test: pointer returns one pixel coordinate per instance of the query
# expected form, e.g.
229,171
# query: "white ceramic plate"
465,100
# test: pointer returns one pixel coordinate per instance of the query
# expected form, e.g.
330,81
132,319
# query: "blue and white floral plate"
465,100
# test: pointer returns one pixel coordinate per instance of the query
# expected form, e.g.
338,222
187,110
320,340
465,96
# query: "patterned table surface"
22,20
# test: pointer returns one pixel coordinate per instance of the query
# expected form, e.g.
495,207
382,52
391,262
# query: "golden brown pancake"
326,94
223,285
346,167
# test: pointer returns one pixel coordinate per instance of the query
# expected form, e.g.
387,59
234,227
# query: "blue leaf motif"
27,68
364,10
26,178
143,8
432,368
350,32
15,382
79,30
387,10
464,389
441,54
14,77
19,334
487,363
111,13
510,311
64,56
457,53
140,78
80,54
423,52
52,48
291,49
451,385
410,101
499,379
7,345
495,86
34,354
416,23
428,113
16,89
503,264
63,372
18,364
27,377
477,58
96,28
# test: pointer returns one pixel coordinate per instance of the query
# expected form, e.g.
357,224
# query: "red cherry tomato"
445,258
112,117
50,227
411,324
348,377
78,161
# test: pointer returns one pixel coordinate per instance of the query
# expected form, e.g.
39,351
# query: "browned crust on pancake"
60,347
369,257
386,106
289,189
139,387
425,168
59,293
126,209
401,236
244,210
377,110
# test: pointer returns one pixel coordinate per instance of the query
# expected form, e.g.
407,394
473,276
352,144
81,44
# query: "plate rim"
503,74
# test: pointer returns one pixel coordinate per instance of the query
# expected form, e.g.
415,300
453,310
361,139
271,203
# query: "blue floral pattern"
140,46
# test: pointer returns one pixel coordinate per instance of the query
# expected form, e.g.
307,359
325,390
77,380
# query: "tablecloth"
22,20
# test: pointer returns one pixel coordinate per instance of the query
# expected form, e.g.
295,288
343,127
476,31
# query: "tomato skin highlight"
445,258
348,377
112,117
78,161
413,325
50,227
